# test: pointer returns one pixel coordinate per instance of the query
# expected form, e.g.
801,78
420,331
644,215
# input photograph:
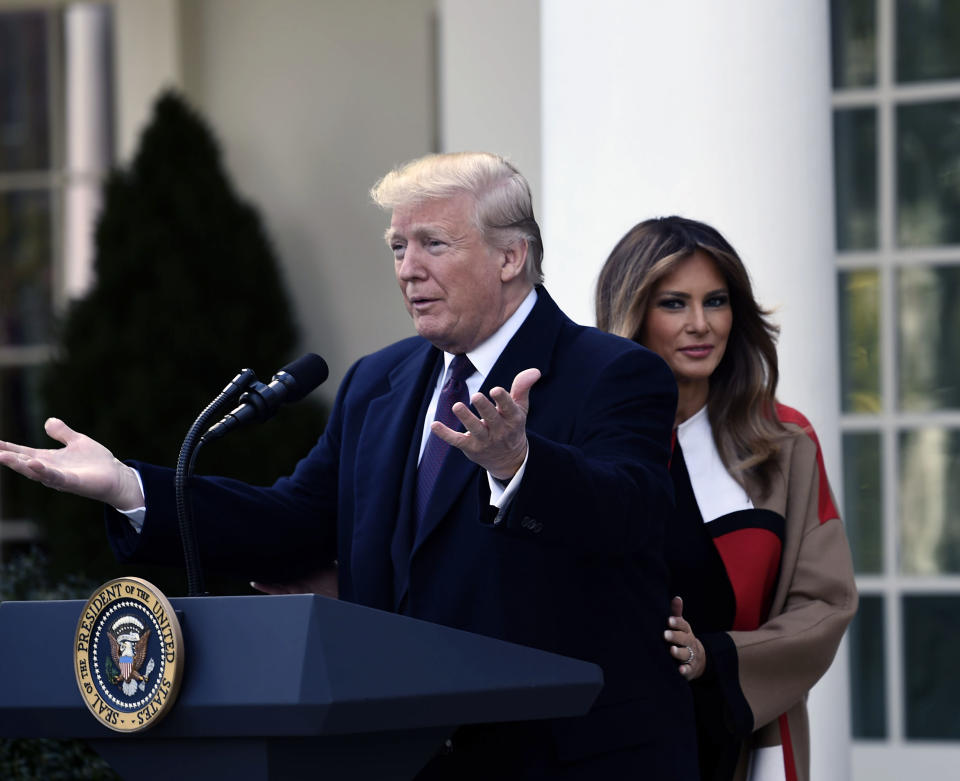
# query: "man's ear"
513,260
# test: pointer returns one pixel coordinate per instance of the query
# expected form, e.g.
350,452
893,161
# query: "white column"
87,98
719,112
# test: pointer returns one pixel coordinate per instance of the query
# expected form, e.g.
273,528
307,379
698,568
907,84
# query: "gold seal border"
171,640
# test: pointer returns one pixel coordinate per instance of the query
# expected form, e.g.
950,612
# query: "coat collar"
531,346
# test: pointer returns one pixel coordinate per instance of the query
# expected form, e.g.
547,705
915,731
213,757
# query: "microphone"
260,402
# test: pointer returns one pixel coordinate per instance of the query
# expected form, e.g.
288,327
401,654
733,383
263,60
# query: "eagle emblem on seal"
128,649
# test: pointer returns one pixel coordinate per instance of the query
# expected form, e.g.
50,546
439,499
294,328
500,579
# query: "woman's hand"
684,646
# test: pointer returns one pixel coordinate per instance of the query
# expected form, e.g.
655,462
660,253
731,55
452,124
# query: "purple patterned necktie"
453,390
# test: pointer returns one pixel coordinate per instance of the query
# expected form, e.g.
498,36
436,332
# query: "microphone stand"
185,463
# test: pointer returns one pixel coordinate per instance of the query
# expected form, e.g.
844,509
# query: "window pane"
24,114
863,500
928,32
855,177
928,174
25,268
928,334
931,636
853,31
868,699
859,304
930,501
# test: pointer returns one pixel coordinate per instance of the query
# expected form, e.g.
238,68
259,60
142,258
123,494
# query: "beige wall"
489,82
312,101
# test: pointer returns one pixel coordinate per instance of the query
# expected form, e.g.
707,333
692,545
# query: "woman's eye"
717,301
671,303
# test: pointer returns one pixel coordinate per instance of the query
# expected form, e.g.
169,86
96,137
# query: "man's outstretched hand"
82,466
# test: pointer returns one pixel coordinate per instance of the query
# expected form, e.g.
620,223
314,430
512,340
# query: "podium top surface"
293,665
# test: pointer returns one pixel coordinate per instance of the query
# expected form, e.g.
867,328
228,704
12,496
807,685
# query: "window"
54,149
896,115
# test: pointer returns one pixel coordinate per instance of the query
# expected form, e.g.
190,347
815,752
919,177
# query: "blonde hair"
504,205
741,401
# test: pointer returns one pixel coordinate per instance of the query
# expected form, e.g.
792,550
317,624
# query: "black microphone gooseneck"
258,402
185,461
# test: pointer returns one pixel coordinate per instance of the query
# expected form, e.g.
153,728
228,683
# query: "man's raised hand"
497,440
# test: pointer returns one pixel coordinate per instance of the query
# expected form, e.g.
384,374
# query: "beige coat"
814,600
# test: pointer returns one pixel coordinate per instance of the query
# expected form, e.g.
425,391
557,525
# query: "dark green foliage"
187,293
26,578
51,760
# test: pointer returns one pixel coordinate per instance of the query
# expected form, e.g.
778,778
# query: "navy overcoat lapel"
383,480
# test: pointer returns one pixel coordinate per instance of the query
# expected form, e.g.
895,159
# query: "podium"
278,687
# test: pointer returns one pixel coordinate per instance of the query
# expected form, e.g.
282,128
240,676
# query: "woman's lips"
697,350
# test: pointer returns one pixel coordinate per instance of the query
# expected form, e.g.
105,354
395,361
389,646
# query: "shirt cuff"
501,494
137,514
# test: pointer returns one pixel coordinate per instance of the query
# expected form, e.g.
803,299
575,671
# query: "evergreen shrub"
187,292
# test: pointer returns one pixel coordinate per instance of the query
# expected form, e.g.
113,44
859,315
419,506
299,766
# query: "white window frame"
895,757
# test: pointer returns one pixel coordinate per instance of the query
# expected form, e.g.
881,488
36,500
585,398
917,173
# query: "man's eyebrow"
418,230
392,233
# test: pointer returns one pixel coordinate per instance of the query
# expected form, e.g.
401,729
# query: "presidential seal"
128,655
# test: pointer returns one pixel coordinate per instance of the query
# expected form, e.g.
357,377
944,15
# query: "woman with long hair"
756,548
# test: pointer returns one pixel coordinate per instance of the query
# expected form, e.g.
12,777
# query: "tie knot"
460,368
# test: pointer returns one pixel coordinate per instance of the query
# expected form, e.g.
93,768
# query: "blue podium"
280,687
